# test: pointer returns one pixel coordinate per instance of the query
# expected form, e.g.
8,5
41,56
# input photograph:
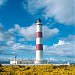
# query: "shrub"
37,70
0,65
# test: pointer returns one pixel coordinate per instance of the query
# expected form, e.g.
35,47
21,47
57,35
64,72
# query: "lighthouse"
39,44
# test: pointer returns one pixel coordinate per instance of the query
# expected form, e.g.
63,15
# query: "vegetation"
38,70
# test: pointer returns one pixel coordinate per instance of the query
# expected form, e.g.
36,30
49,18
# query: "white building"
15,62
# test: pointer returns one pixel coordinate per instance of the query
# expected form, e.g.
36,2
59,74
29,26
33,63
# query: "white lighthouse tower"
39,45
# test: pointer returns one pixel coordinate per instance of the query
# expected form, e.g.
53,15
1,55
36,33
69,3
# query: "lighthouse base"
40,62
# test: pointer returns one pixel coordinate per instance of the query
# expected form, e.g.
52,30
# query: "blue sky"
18,29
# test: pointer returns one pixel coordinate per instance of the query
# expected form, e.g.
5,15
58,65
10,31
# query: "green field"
38,70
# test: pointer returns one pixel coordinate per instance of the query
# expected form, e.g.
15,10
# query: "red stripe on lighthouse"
39,34
39,47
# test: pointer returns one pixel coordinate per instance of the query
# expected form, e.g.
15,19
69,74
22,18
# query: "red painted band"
39,47
39,34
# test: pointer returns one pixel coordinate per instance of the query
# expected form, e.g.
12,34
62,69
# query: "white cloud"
19,46
53,59
70,38
5,35
62,48
61,42
48,33
30,32
2,2
10,43
16,28
61,10
6,58
1,36
8,47
22,40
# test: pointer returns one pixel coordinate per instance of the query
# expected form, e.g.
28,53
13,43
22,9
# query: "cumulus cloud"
8,47
6,41
22,40
61,10
5,35
10,43
66,51
19,46
61,42
30,32
70,38
48,33
6,59
62,48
